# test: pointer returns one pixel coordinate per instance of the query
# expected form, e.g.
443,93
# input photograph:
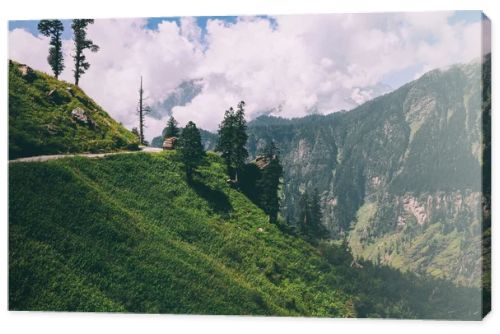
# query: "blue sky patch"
32,27
465,16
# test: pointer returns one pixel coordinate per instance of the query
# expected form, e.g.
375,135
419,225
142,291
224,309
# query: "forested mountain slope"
400,176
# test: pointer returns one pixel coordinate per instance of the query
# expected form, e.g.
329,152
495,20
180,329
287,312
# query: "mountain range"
400,177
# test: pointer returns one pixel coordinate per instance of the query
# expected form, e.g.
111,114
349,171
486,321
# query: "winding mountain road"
41,158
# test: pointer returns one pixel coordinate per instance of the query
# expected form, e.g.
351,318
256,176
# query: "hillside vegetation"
128,233
400,175
49,116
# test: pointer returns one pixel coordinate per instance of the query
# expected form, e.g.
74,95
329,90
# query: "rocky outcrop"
79,115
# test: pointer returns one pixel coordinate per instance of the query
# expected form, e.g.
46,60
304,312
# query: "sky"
195,68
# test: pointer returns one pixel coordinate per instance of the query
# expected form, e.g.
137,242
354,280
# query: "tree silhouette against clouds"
79,27
53,29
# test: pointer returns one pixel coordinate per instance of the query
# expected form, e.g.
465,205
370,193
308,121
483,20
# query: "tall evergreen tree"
318,230
171,130
269,182
79,27
240,153
232,140
191,149
53,29
309,218
224,143
304,218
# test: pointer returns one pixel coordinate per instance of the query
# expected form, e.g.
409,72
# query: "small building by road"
169,143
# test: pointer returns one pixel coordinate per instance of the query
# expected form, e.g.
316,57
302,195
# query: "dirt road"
40,158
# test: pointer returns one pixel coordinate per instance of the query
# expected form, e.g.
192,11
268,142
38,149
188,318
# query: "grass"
127,233
40,120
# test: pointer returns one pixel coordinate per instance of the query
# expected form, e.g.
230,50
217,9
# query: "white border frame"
41,322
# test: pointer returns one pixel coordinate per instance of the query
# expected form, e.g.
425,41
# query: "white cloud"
26,48
304,64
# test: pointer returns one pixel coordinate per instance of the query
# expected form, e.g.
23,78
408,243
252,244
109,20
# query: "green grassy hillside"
127,233
49,116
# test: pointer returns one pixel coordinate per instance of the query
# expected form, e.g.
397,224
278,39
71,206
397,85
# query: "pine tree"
232,140
171,130
304,218
191,149
53,29
309,219
240,153
79,27
142,111
318,230
269,182
225,140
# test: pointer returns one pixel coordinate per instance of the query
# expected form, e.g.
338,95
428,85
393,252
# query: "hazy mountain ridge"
402,171
180,96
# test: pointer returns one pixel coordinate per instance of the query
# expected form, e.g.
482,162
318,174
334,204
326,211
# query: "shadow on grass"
216,199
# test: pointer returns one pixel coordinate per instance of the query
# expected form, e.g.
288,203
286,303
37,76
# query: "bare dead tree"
142,110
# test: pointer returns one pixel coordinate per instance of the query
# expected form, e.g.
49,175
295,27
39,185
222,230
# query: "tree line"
54,30
261,186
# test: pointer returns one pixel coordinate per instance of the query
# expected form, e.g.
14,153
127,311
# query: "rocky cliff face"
399,176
